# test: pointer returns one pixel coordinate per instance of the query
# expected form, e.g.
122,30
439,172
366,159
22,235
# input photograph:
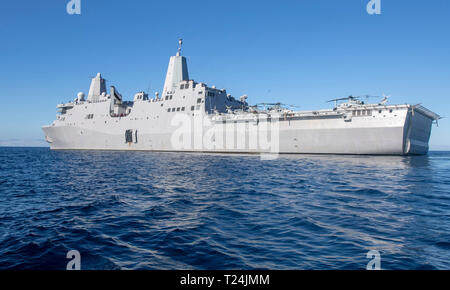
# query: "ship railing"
65,105
280,115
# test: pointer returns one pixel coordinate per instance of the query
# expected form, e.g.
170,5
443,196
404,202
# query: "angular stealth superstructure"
176,72
191,116
98,87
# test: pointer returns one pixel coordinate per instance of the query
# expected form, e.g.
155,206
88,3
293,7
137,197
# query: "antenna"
180,44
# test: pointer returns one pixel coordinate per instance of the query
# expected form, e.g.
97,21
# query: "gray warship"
190,116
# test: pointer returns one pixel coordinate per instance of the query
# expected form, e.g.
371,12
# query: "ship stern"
417,130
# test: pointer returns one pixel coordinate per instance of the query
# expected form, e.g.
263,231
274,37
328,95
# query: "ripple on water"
182,211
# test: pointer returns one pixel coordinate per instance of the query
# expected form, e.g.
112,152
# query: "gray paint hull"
404,134
191,116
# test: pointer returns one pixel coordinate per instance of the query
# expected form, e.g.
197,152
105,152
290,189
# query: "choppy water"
144,210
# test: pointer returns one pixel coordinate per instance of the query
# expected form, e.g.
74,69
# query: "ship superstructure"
191,116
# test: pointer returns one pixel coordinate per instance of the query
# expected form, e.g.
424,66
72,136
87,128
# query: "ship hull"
406,133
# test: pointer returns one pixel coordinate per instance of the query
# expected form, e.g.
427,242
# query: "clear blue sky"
301,52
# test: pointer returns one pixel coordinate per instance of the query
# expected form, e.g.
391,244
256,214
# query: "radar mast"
180,44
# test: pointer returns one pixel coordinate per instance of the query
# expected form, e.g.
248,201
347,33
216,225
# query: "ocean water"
147,210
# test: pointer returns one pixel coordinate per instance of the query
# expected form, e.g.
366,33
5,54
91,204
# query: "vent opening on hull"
131,136
128,136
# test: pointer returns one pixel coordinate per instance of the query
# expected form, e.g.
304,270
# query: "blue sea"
148,210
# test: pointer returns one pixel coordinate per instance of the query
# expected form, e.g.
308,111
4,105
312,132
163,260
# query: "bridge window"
186,86
178,109
182,109
173,109
199,100
192,108
168,110
210,94
181,87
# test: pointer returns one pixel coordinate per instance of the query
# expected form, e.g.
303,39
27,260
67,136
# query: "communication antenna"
180,44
